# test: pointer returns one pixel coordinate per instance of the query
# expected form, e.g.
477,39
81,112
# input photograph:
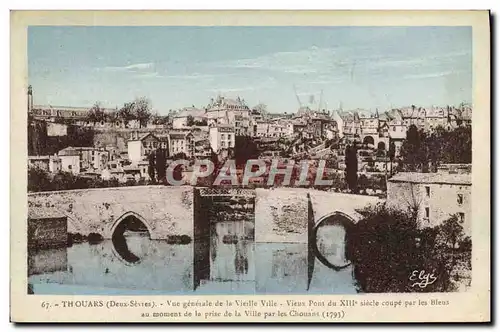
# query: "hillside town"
131,145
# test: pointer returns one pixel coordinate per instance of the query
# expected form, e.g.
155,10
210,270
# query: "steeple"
30,98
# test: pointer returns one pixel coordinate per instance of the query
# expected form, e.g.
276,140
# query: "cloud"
308,61
193,76
145,70
428,60
433,75
232,89
137,67
267,83
148,75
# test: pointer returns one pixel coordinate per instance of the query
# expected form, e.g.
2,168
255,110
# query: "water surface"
236,267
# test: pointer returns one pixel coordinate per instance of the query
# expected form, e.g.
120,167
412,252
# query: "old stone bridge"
281,214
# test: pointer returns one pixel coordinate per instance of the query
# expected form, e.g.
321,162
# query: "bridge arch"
120,247
126,215
335,218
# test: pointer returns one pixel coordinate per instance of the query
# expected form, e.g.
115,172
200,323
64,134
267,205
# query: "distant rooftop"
136,137
70,108
74,151
437,178
190,111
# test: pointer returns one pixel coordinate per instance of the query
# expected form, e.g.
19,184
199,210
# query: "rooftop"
142,137
179,134
437,178
74,151
41,157
190,111
70,108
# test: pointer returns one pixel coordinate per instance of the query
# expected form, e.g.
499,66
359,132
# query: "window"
461,217
460,199
427,213
428,191
222,136
69,166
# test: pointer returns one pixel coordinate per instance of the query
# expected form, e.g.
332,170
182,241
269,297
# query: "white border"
186,4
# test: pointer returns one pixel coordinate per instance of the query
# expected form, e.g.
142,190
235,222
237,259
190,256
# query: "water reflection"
222,259
231,249
329,240
130,227
281,268
162,267
239,268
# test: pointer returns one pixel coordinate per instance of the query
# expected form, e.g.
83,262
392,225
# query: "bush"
178,239
387,246
94,238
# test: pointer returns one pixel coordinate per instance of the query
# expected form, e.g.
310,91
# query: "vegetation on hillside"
424,151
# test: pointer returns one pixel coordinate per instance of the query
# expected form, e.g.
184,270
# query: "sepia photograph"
197,160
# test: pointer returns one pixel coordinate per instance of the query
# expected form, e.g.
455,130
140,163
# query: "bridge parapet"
166,210
281,214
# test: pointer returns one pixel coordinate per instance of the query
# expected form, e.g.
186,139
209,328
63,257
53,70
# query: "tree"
142,111
126,113
439,146
386,246
412,150
351,162
151,166
179,156
38,180
245,149
391,154
112,117
261,108
161,164
158,119
96,114
190,121
38,138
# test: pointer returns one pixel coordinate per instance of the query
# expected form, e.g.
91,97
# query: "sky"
282,67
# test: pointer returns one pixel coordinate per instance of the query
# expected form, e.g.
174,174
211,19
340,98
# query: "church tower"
30,98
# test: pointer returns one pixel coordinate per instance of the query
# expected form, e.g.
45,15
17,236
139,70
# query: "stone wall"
281,214
119,137
165,210
325,203
47,232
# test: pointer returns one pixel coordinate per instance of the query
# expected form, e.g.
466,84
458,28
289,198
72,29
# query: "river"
238,267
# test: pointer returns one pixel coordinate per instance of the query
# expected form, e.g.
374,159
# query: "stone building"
139,147
180,120
221,137
181,142
229,111
436,196
50,164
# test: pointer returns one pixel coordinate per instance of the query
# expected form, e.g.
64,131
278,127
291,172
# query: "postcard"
250,166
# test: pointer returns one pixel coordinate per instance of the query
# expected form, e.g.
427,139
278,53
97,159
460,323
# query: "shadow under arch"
128,221
335,218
